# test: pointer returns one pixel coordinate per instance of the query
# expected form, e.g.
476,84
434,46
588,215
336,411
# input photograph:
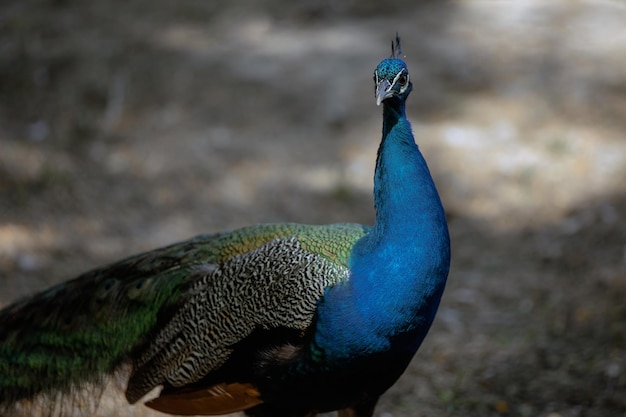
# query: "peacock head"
391,77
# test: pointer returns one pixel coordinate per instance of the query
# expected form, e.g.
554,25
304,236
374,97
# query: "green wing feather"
78,332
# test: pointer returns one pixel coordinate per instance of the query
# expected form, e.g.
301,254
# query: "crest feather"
396,49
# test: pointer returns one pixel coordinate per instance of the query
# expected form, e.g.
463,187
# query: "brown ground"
129,125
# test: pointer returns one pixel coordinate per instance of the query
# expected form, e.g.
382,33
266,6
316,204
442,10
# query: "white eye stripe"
403,86
397,77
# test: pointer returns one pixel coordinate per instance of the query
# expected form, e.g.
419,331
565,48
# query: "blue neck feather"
398,270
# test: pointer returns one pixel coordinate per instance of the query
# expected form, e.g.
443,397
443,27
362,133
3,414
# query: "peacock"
276,320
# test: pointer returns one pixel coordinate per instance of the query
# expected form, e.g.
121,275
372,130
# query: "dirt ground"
125,126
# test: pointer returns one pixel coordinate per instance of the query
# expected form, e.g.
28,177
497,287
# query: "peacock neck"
405,196
398,271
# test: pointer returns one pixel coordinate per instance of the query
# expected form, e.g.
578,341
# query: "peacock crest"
396,48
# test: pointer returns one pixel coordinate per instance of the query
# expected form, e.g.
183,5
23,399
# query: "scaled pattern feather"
279,320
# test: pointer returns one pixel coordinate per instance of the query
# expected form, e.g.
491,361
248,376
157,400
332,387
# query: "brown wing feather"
216,400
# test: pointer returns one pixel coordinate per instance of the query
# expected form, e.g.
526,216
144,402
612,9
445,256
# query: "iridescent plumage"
277,320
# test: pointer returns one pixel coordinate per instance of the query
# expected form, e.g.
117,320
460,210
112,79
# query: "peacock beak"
383,91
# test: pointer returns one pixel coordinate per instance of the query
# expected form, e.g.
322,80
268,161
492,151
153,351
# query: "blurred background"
127,125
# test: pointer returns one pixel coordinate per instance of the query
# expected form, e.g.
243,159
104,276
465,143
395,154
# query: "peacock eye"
402,79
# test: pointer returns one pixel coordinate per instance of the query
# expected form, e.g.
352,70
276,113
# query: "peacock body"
277,320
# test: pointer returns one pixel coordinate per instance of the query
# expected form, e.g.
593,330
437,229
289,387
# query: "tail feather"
71,337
